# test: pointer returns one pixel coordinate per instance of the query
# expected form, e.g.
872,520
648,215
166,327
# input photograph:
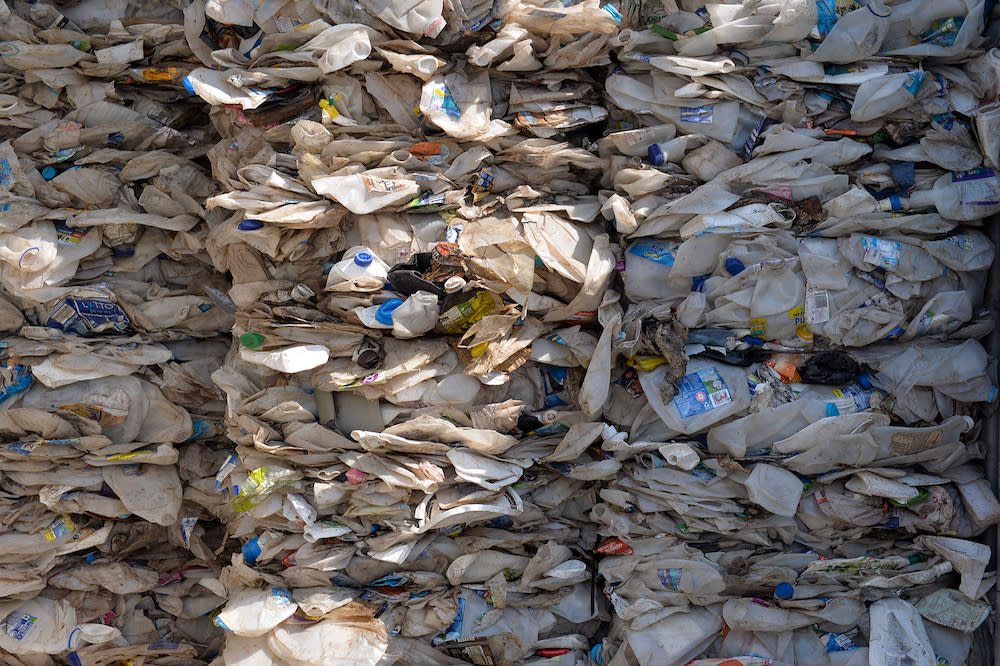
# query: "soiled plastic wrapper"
501,332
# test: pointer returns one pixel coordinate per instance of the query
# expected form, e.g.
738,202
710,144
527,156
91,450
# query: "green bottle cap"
252,340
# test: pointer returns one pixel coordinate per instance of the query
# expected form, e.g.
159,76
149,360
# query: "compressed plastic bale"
548,251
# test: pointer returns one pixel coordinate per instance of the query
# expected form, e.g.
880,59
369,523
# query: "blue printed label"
913,82
881,252
427,199
6,174
19,624
280,597
454,630
829,11
84,316
837,643
977,187
614,13
670,578
442,100
943,31
70,236
696,114
700,392
659,251
13,380
860,396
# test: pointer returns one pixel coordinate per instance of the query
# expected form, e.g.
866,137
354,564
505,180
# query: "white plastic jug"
254,612
774,488
855,36
777,310
709,393
965,196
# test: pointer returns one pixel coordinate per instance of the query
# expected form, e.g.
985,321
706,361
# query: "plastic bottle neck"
917,199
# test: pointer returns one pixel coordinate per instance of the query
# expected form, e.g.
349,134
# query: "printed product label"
861,397
838,70
906,442
224,471
963,241
932,323
817,306
913,82
376,184
19,624
614,546
427,199
441,100
977,187
67,236
61,526
829,11
459,317
82,316
662,252
880,252
758,325
187,527
6,174
670,578
837,643
798,315
696,114
943,31
24,448
94,413
279,597
700,392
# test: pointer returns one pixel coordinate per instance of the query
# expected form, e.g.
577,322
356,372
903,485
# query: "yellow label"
838,393
251,491
130,454
93,413
154,74
758,327
61,526
327,105
801,328
459,317
646,364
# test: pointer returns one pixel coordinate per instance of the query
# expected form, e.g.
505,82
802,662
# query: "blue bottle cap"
188,85
251,551
784,591
49,172
656,154
865,380
734,266
831,409
249,225
363,259
384,313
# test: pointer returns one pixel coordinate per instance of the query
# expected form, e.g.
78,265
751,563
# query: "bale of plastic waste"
496,332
